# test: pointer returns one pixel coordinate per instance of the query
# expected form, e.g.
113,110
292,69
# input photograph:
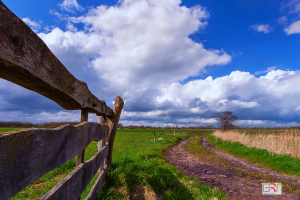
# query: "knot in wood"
15,40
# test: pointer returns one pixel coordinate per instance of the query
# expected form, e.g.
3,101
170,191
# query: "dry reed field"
279,143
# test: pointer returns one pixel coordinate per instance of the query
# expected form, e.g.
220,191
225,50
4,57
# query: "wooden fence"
26,155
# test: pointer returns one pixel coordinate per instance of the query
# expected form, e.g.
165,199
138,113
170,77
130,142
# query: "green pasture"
139,171
5,129
139,167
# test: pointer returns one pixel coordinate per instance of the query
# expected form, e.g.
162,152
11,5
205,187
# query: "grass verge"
204,154
139,170
283,163
6,129
279,143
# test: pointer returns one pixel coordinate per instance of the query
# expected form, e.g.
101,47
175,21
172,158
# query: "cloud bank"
141,50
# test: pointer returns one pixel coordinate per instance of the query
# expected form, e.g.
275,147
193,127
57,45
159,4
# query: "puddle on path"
205,143
184,141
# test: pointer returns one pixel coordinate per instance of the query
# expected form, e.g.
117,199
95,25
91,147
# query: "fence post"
84,118
168,134
80,156
112,122
174,132
101,143
154,138
180,131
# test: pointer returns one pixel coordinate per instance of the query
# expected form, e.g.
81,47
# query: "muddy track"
238,178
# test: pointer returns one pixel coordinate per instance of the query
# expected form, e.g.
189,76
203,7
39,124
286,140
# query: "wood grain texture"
83,118
101,143
74,184
27,61
26,155
112,122
97,185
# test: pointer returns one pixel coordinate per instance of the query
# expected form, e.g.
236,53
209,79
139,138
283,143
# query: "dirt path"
238,178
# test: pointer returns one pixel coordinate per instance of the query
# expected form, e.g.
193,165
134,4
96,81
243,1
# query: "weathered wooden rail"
28,154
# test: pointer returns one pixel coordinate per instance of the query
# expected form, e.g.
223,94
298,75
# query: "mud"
237,177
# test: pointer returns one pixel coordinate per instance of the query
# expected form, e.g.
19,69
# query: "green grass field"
139,166
278,162
139,170
2,129
6,129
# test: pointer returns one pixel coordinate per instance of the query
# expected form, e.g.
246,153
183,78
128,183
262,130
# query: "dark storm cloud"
233,97
198,103
34,103
145,101
165,105
16,98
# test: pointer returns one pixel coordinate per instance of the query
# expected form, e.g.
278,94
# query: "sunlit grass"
139,170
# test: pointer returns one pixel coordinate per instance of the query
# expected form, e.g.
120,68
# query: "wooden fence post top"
112,122
119,102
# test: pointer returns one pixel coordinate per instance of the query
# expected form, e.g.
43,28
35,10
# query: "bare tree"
225,119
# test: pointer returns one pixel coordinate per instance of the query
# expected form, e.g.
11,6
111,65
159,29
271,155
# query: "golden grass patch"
59,177
150,194
38,185
279,143
123,190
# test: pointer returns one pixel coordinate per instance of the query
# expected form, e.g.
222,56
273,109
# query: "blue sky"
172,62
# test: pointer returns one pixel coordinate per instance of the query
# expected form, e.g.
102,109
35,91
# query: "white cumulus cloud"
139,41
265,28
293,28
35,26
70,6
274,93
269,69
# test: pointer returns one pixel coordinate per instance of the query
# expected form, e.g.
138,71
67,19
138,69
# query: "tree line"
26,124
226,119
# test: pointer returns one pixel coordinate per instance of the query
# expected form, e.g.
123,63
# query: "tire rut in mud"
238,178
